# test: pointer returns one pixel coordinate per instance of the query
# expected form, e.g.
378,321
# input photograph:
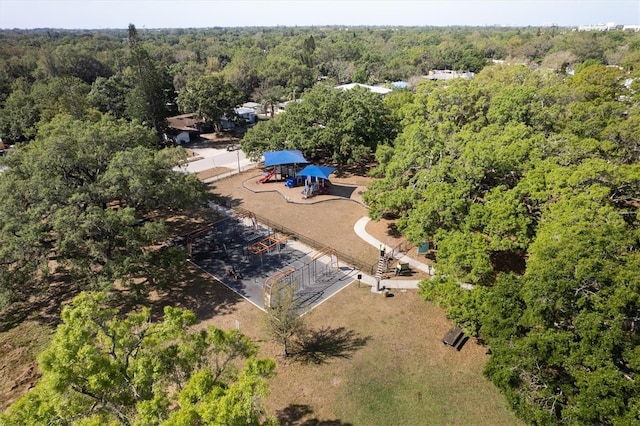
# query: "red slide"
268,176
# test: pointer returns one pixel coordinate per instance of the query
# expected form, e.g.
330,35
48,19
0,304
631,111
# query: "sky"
97,14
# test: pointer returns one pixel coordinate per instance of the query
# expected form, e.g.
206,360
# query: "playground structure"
191,237
284,163
243,254
307,277
267,244
328,251
272,282
280,172
314,187
242,214
268,176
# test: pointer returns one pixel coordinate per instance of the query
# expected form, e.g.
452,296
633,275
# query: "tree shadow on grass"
319,346
223,200
193,289
40,302
297,415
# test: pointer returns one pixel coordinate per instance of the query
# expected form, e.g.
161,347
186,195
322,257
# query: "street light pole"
238,154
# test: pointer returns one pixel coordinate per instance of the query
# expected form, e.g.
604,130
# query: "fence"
231,172
276,227
401,248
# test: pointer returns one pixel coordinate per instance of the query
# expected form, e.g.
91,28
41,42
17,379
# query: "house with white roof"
244,116
255,106
374,89
448,75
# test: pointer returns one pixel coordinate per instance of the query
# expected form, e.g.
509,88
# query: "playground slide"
268,176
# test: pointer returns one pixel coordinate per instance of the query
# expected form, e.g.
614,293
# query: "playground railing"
401,248
350,260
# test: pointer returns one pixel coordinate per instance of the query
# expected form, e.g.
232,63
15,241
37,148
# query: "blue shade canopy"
276,158
317,171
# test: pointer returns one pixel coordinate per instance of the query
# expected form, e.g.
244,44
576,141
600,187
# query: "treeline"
83,206
44,72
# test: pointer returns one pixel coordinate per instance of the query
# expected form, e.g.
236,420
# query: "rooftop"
375,89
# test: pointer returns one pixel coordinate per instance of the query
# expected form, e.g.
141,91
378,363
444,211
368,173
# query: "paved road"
215,157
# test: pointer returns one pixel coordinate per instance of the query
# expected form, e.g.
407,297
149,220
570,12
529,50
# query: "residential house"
375,89
244,116
255,106
448,75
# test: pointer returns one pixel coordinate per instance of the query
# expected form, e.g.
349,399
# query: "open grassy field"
388,367
368,360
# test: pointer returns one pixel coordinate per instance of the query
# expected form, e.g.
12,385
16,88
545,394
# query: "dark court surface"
227,253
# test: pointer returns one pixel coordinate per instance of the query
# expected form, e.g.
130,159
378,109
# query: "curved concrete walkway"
360,229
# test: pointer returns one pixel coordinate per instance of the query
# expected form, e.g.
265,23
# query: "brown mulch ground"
329,222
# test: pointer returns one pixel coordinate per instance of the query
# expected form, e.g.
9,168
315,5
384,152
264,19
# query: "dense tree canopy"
518,166
330,124
104,369
210,97
526,179
147,101
140,66
80,193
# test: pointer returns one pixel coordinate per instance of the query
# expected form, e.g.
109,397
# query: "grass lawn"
387,366
372,361
19,348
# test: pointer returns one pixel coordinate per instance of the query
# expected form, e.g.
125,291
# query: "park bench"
403,268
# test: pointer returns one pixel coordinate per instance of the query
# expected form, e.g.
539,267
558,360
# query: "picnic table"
455,338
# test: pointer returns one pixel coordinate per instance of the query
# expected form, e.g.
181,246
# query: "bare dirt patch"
209,173
367,337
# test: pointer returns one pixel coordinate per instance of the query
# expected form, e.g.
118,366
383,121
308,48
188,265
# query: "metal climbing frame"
267,244
328,251
241,214
273,281
191,236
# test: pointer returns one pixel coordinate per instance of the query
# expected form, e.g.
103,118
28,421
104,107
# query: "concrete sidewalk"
360,229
